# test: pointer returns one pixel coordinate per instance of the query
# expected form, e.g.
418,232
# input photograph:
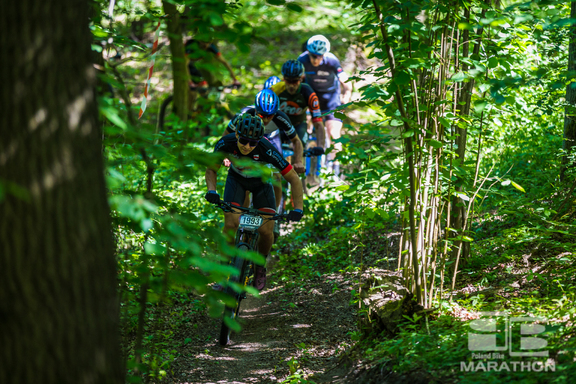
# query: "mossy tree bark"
58,304
179,70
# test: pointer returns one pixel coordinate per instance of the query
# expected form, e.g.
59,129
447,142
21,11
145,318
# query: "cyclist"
248,142
325,75
296,97
271,81
266,105
201,76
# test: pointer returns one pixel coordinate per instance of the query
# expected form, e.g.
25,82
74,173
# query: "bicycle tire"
162,113
229,312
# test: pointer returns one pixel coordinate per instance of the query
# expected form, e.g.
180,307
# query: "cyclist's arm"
346,87
298,151
211,178
314,106
296,188
320,132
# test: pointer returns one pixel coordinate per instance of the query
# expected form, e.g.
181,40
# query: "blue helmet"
266,102
318,45
249,126
271,81
293,68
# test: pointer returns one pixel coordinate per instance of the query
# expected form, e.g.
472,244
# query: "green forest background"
459,145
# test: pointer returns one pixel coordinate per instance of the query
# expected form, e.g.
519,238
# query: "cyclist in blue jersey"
247,143
325,75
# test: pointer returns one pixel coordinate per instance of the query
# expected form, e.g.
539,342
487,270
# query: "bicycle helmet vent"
318,45
249,126
271,81
266,102
293,68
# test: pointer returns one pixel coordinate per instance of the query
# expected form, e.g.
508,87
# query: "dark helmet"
250,127
266,102
293,68
271,81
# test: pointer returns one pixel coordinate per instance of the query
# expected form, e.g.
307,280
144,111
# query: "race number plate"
248,221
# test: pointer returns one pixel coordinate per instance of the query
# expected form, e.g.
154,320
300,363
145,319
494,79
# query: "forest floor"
299,331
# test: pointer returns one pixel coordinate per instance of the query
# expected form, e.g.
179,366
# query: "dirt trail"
306,326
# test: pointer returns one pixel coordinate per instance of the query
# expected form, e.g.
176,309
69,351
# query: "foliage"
480,136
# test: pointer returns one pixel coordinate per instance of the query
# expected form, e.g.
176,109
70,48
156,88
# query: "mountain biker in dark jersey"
247,142
325,75
266,106
295,97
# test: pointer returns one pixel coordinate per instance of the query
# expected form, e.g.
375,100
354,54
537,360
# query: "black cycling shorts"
236,187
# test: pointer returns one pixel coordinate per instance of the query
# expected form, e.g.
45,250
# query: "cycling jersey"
279,121
324,77
264,153
295,105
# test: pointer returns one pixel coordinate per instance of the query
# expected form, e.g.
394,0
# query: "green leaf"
232,324
444,122
294,7
402,78
493,62
339,115
435,143
460,76
154,249
276,2
518,187
343,187
216,19
112,115
408,134
480,105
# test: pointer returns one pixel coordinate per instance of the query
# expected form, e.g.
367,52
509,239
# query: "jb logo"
495,331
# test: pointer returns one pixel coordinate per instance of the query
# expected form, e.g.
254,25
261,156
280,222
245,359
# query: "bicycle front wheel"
232,312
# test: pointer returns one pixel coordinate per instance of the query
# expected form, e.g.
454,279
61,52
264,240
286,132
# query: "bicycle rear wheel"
233,312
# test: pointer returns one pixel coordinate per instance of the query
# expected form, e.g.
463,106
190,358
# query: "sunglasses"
315,56
263,116
246,141
292,81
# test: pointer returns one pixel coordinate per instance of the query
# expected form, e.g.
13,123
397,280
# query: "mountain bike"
203,100
247,235
287,152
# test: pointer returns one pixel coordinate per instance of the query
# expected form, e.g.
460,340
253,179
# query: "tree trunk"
58,304
179,70
570,110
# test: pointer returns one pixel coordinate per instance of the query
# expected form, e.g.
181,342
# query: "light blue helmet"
266,102
318,45
271,81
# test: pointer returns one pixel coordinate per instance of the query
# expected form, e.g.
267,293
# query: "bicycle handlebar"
228,207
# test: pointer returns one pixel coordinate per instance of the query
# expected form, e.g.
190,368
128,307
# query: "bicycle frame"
246,239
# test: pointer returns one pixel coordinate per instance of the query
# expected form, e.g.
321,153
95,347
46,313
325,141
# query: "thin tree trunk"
570,109
179,70
59,310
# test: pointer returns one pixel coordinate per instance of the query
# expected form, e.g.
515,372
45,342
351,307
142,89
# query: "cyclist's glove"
213,197
295,215
317,151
